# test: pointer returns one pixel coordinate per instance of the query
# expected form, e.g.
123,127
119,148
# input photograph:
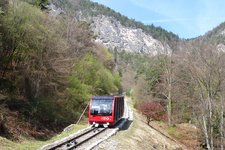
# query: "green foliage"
79,91
3,4
173,131
1,11
23,30
105,84
54,68
45,110
27,44
149,68
38,3
129,92
92,73
78,95
117,79
56,112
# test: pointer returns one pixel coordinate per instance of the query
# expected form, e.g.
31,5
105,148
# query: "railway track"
87,138
78,140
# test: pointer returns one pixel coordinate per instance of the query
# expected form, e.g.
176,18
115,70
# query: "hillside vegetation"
49,67
181,87
189,85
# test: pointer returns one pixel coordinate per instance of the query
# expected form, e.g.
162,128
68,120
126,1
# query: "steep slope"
43,83
217,32
214,38
116,31
113,34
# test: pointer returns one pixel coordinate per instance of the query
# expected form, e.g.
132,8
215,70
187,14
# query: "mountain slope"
113,34
117,31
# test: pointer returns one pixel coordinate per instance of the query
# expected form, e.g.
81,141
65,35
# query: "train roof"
103,97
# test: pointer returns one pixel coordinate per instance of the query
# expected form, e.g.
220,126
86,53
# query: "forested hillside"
49,68
50,65
183,84
186,87
188,84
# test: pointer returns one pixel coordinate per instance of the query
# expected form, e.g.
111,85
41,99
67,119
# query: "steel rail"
80,135
87,139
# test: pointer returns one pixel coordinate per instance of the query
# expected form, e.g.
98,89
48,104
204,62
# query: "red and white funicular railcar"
105,110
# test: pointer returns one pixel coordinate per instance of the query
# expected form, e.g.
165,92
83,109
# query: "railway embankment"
137,135
90,137
132,133
140,136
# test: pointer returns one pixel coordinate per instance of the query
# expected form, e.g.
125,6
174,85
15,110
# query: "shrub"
152,111
91,72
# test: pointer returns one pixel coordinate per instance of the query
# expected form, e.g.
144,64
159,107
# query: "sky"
186,18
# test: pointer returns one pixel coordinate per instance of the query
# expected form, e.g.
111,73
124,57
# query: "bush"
152,111
91,72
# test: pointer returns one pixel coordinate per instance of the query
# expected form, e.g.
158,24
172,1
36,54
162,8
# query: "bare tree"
167,79
206,69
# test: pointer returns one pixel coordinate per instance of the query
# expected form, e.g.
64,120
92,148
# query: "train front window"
101,107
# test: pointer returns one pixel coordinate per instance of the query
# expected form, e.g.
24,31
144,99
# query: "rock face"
112,34
54,10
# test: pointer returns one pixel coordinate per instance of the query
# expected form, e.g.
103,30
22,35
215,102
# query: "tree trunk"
210,122
206,132
169,109
169,92
222,124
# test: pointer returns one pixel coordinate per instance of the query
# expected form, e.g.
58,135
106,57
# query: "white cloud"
202,19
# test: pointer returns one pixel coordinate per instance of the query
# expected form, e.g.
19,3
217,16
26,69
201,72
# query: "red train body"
105,110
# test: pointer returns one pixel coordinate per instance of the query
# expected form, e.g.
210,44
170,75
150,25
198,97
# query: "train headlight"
96,125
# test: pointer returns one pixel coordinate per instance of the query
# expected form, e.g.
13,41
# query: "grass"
31,144
173,132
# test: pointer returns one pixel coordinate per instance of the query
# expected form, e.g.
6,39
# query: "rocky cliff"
130,35
113,35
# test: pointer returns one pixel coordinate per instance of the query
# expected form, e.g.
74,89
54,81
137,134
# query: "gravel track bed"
51,145
97,139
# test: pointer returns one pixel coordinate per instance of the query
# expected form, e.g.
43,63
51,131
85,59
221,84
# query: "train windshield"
101,107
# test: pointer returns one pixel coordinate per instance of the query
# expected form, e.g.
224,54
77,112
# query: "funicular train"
105,110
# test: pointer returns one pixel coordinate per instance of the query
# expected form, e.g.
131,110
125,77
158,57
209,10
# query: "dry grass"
140,136
186,134
31,144
189,135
